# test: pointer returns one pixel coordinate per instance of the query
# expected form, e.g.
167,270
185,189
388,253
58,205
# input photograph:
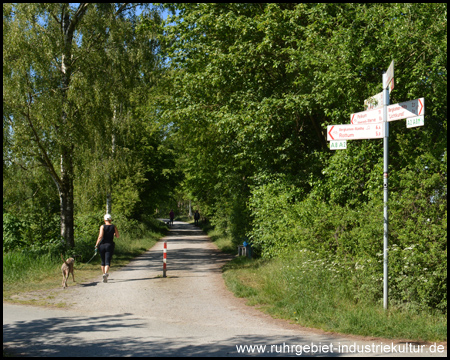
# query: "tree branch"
77,17
45,159
121,8
319,133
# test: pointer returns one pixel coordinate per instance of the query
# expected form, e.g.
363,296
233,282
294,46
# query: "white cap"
107,217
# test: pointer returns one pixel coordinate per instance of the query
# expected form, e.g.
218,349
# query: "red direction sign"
355,132
406,109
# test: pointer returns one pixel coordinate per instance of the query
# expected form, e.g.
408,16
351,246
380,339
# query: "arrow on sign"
329,133
355,132
406,109
367,117
398,111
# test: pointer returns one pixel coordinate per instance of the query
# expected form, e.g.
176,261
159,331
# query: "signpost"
398,111
385,186
354,132
374,124
406,109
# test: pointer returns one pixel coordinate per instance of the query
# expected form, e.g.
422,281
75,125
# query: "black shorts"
106,252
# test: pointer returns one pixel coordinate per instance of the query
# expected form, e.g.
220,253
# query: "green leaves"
73,78
254,87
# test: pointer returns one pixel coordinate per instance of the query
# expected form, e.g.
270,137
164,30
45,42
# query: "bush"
351,237
232,218
37,235
12,232
274,222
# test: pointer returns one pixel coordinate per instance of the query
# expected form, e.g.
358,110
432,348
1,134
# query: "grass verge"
24,272
316,299
313,296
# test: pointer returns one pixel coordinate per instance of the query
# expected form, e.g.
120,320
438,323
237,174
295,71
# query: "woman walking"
106,247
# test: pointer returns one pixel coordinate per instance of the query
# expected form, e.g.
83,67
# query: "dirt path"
189,313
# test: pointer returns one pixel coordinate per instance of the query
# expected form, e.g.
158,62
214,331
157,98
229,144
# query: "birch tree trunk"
113,149
66,197
65,188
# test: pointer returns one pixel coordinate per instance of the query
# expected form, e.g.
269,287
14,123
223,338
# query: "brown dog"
66,269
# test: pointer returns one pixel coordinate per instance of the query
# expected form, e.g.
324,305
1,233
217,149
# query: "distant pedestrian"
172,216
196,217
105,244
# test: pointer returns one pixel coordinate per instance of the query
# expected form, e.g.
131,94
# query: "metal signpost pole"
374,124
385,184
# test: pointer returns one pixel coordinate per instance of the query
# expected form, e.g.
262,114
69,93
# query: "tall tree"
57,91
254,86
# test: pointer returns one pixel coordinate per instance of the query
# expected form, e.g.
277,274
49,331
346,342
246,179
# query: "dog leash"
88,261
95,253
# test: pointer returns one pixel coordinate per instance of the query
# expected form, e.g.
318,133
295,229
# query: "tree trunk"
68,26
66,197
113,149
108,198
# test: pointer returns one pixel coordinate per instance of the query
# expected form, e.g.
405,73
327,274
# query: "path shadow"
83,336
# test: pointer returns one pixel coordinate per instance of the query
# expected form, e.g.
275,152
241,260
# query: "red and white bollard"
164,258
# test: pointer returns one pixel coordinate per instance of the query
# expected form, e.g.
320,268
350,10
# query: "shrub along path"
140,313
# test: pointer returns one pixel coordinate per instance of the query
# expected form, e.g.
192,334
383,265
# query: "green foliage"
232,220
353,236
273,222
226,105
37,233
254,87
12,232
80,71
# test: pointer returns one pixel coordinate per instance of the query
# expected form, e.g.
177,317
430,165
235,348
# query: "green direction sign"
415,121
338,145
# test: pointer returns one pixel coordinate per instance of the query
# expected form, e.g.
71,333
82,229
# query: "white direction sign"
374,102
355,132
389,76
367,117
398,111
406,109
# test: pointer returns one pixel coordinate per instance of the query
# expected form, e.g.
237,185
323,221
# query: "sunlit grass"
317,299
312,294
24,271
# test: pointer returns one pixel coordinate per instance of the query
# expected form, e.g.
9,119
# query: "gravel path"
188,313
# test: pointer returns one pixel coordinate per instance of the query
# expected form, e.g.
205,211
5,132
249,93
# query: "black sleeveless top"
108,234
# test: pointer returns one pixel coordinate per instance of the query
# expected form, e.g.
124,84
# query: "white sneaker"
105,278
